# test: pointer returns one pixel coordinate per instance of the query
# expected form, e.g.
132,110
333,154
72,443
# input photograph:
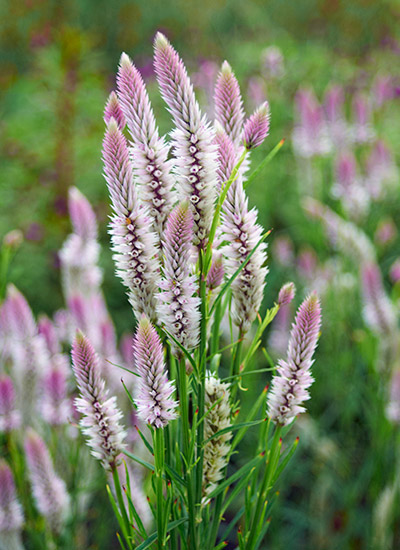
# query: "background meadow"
57,66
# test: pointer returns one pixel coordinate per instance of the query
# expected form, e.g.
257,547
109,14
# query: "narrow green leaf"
139,460
233,428
238,474
263,163
153,537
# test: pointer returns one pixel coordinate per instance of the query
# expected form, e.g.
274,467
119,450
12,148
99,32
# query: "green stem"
264,487
121,503
236,365
183,402
159,470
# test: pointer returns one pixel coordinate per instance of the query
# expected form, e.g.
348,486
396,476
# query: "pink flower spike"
290,384
175,86
178,307
286,294
256,128
49,333
100,422
10,418
11,515
228,103
154,401
49,491
226,155
216,273
113,110
150,152
82,216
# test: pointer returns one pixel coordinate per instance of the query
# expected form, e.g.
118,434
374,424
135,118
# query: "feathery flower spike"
286,294
226,155
133,241
82,216
242,232
178,307
218,417
11,515
256,127
229,110
113,110
49,490
150,152
154,401
192,140
290,384
101,416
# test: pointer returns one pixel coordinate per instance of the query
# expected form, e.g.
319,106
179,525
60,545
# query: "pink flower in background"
383,89
386,232
290,384
334,115
11,514
310,134
282,251
272,63
349,186
362,128
381,172
394,272
393,406
10,418
49,490
379,312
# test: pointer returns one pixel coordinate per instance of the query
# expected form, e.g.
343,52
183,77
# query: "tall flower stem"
272,461
159,452
118,492
183,402
236,364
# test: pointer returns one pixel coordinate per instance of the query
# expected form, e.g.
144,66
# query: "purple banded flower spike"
290,384
154,400
113,110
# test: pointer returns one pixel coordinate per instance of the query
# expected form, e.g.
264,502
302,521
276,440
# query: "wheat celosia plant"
192,255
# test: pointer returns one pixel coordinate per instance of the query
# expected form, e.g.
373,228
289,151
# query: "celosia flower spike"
218,417
132,239
150,152
290,384
242,233
154,401
11,515
228,103
226,155
256,127
286,294
101,416
178,308
193,139
113,110
49,490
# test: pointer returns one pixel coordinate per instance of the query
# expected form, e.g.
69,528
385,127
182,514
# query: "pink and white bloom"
149,151
256,127
192,141
49,491
290,384
310,135
229,112
178,307
379,312
133,242
101,417
154,400
286,294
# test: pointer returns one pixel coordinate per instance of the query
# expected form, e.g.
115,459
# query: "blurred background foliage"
57,66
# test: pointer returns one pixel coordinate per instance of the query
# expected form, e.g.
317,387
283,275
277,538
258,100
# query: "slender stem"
121,503
183,402
264,487
236,365
159,469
